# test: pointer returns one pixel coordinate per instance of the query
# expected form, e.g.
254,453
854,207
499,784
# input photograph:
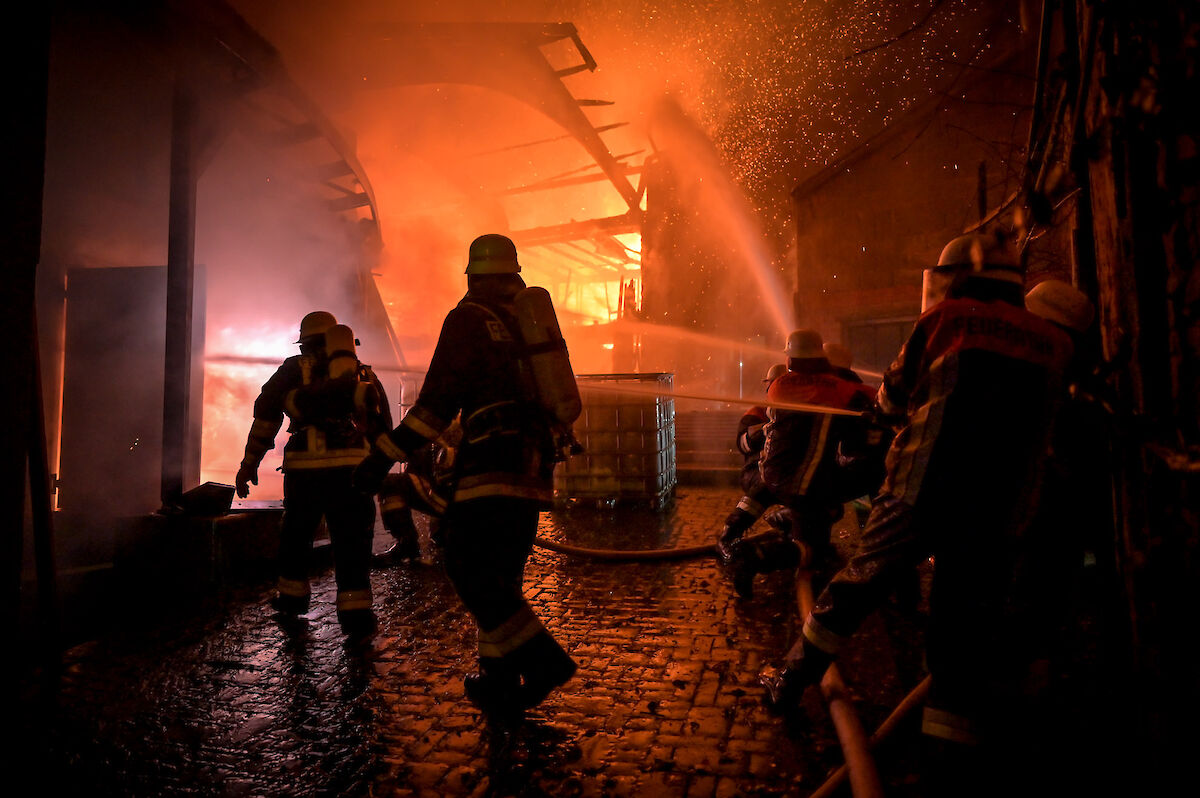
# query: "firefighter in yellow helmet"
330,421
483,373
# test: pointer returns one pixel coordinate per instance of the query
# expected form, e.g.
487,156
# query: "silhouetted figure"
749,441
798,466
482,371
331,422
977,384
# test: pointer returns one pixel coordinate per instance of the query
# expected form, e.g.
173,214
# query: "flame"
229,393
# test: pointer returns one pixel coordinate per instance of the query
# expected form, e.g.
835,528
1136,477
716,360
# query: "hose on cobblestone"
914,699
628,555
864,776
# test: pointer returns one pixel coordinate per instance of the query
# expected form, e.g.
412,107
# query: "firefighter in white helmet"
331,422
1071,527
798,464
974,390
749,442
485,371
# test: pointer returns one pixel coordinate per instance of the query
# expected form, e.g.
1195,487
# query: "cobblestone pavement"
228,700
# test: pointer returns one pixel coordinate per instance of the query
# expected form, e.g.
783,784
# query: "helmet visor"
935,283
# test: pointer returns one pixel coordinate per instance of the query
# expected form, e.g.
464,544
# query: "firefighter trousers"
488,541
309,496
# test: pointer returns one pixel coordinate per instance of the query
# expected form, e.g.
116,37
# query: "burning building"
689,182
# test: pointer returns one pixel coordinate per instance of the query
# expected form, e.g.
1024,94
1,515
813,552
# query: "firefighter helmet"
1061,303
981,253
493,254
987,256
838,355
774,373
804,344
316,323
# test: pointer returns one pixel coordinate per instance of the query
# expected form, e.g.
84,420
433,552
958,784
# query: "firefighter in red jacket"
750,439
480,373
328,434
976,386
798,466
861,462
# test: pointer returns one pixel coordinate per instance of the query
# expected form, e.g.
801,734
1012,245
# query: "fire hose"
864,777
859,766
914,699
628,555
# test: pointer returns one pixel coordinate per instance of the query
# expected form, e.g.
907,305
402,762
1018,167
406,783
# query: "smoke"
272,251
766,82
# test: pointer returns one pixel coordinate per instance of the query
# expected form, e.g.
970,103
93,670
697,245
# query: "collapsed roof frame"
507,57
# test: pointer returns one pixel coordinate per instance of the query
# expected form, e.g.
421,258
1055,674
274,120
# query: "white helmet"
984,256
313,324
804,344
1061,303
774,373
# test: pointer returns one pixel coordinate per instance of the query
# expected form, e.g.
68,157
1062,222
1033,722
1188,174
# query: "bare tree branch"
911,29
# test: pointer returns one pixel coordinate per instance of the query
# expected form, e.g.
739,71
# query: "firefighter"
798,465
860,461
840,359
975,388
482,372
421,486
749,442
330,421
1070,526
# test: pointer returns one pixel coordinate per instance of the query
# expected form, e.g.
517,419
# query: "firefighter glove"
368,476
246,475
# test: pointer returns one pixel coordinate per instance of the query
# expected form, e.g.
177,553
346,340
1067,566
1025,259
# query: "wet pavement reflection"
226,699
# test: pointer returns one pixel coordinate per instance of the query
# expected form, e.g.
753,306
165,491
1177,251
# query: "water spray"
732,400
244,360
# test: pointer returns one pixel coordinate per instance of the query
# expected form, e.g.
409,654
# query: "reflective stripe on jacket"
978,381
476,371
800,454
331,422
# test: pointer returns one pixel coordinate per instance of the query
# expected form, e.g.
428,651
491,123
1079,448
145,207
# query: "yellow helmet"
316,323
493,254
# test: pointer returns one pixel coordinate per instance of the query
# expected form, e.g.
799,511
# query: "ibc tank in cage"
629,441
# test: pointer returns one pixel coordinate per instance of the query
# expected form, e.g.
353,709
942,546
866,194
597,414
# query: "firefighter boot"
289,605
804,665
291,597
548,666
354,613
781,689
407,546
495,689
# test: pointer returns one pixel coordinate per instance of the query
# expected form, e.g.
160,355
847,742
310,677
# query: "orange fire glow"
229,393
